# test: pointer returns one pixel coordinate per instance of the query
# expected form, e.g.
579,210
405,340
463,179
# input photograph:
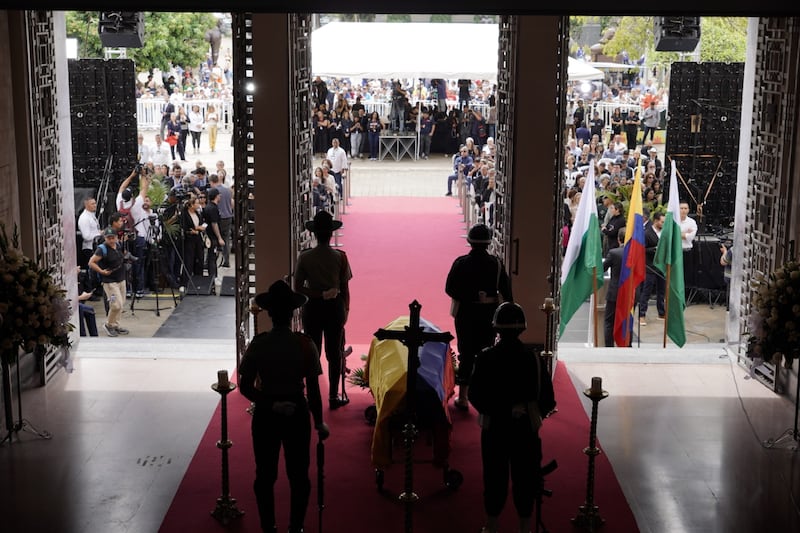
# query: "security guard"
323,274
512,392
477,283
276,367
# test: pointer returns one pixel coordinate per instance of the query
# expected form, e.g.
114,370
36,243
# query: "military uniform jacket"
510,374
276,365
475,273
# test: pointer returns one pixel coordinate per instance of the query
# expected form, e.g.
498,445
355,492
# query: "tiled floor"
684,429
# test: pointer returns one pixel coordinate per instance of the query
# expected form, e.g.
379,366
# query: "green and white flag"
583,260
669,258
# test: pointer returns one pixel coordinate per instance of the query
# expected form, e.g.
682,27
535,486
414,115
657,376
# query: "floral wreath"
774,322
33,309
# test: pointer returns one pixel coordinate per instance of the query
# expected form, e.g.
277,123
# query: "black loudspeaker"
228,287
201,286
121,29
677,34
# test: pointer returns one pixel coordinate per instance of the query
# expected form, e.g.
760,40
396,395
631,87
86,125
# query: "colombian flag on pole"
633,265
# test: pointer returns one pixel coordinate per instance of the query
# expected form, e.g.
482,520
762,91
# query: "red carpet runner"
400,249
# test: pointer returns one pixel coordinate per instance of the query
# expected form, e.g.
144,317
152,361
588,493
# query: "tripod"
152,270
21,424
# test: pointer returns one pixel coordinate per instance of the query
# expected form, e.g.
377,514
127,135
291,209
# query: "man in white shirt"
127,204
688,227
338,158
160,153
89,228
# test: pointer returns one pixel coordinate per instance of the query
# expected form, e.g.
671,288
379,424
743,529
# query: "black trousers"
270,432
474,331
326,318
608,323
510,447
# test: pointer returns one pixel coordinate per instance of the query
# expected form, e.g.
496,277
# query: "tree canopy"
169,38
721,38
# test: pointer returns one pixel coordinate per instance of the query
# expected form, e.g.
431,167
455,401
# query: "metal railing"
149,112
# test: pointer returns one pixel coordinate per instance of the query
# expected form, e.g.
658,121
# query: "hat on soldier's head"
479,234
323,221
280,297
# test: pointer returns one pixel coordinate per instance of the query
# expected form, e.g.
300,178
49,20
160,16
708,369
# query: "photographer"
171,243
139,215
726,259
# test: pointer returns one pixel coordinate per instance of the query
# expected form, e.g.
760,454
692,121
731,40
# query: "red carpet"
400,249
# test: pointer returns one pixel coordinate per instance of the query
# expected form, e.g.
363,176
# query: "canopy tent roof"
391,50
394,50
581,70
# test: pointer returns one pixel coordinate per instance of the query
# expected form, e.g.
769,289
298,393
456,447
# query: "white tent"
580,71
390,50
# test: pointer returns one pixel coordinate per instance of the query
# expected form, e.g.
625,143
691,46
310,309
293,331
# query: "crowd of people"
443,122
143,249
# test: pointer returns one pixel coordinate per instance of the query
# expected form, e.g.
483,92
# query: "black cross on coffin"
413,337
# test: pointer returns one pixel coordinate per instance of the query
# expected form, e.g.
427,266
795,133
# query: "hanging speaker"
121,29
677,34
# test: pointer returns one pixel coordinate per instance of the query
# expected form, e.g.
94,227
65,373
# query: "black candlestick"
226,509
588,516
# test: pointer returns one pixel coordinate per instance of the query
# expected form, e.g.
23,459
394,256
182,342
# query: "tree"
169,38
721,39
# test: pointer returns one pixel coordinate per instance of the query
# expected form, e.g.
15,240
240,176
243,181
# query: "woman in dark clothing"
193,248
611,228
347,125
173,134
321,141
616,123
374,133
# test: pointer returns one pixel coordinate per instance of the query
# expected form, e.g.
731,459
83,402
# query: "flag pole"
666,305
594,299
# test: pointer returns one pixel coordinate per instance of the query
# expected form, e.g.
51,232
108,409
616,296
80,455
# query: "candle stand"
588,516
226,509
548,308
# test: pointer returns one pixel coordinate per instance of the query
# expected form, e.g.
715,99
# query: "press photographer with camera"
134,223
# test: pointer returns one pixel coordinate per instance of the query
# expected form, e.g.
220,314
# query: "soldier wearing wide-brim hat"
323,274
276,368
477,283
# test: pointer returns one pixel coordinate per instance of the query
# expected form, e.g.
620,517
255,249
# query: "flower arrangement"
775,315
33,309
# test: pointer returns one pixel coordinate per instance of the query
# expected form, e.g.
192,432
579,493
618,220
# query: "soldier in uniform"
323,274
512,391
276,367
477,283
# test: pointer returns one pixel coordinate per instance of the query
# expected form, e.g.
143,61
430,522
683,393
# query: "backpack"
127,218
481,129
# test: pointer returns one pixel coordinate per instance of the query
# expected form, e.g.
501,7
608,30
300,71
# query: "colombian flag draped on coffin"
633,265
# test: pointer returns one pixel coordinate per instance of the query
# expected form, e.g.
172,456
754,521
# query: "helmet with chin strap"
509,317
479,234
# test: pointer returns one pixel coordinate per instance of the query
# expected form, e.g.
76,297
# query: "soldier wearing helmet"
512,391
477,283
